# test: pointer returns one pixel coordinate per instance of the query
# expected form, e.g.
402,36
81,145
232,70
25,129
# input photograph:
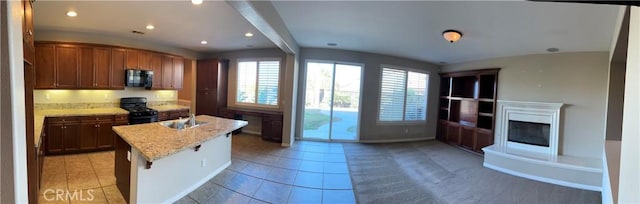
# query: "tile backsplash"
86,99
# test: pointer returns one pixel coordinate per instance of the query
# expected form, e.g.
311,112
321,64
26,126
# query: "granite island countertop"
155,141
39,116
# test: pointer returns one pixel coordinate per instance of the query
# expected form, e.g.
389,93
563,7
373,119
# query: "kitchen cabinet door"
177,114
67,61
54,139
132,59
167,72
453,133
88,136
156,67
118,67
27,30
144,60
45,66
71,137
102,67
467,137
105,135
206,103
163,115
86,68
178,72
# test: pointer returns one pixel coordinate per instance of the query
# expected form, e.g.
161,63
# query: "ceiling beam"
264,17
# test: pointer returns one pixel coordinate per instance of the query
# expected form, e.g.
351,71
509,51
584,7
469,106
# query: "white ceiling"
414,29
177,23
406,29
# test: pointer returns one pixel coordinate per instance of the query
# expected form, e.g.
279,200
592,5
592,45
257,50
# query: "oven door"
143,119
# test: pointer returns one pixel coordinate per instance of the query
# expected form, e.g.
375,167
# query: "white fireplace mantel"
536,162
538,112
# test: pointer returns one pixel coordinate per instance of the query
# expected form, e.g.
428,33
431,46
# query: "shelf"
445,97
486,114
462,99
485,99
443,108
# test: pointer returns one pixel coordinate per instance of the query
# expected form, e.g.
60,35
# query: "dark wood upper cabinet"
118,67
91,66
45,71
102,70
132,59
156,67
87,70
178,72
172,72
67,61
167,72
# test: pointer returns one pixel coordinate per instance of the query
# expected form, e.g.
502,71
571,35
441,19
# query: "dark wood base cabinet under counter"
271,121
75,134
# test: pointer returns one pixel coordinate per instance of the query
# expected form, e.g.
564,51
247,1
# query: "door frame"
304,96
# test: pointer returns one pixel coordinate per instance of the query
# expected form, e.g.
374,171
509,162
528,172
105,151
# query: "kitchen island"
158,164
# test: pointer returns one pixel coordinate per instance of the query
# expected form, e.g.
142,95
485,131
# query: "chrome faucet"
192,119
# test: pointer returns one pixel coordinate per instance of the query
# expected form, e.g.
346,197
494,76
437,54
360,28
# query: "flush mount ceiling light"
150,27
553,49
72,14
204,42
196,2
452,35
248,34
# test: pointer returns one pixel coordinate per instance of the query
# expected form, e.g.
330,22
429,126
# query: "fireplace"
529,126
529,133
527,138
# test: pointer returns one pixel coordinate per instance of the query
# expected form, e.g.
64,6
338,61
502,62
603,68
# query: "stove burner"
138,111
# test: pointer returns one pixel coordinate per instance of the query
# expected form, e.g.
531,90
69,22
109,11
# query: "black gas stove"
138,111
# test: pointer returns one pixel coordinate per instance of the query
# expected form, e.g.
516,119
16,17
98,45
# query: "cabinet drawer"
97,118
59,120
121,117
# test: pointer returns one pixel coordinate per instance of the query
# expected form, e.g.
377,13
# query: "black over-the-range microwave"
138,78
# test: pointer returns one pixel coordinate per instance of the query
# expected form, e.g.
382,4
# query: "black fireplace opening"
529,133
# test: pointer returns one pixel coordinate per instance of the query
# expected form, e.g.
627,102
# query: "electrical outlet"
128,156
47,96
106,96
203,163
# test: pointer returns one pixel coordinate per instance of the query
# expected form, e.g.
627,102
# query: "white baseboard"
398,140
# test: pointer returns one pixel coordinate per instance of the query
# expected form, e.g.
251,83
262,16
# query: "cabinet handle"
30,32
98,125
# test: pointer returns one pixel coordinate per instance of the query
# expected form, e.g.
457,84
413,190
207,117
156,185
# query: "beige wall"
370,129
579,80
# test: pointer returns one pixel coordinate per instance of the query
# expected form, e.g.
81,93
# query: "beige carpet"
434,172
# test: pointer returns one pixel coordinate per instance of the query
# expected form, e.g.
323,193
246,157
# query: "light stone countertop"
39,116
155,141
169,107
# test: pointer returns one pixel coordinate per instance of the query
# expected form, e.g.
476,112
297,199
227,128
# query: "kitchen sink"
181,124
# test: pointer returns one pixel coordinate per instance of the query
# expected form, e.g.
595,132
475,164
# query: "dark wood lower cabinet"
484,138
173,114
453,133
467,136
123,167
80,134
271,121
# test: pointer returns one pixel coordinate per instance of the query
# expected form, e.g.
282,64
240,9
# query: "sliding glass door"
332,101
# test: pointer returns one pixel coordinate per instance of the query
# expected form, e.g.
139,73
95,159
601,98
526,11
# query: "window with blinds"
258,82
403,95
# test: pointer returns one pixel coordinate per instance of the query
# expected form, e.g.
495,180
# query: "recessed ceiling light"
332,44
552,49
72,14
196,2
248,34
150,27
249,45
204,42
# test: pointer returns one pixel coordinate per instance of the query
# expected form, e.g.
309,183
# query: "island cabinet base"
123,167
172,177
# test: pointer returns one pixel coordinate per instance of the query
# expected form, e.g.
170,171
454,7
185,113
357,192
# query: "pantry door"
332,101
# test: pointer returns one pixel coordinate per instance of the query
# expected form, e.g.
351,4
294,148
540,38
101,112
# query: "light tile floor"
79,178
261,172
265,172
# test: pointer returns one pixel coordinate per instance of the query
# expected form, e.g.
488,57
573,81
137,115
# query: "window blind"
268,77
403,95
392,92
258,82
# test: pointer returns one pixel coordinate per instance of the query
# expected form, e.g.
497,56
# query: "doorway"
332,101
